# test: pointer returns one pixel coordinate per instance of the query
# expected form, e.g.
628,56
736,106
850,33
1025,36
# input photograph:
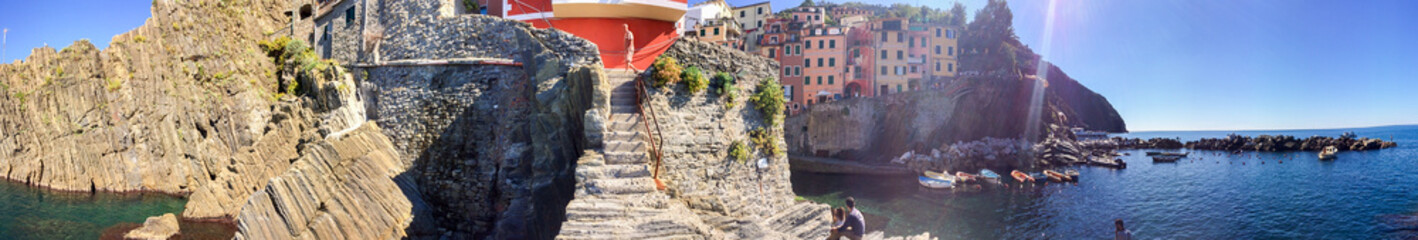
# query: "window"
883,36
349,17
743,14
760,10
771,53
832,62
937,32
913,68
787,71
951,52
800,50
760,23
807,62
883,70
830,80
900,55
951,67
900,37
809,44
898,87
913,42
819,62
884,54
702,34
832,44
819,80
807,81
950,34
820,45
937,49
795,17
856,53
798,71
716,31
937,66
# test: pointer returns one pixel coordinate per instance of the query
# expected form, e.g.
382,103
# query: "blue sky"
1164,64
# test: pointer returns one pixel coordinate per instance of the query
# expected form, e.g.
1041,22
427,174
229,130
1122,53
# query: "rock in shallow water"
160,227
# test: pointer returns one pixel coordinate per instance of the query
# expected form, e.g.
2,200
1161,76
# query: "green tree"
989,41
957,14
807,3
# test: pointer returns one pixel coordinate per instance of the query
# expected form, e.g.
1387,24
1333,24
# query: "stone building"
336,29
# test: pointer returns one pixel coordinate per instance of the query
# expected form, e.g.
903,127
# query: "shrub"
140,39
471,6
768,99
724,86
765,141
114,84
667,71
738,152
21,95
694,80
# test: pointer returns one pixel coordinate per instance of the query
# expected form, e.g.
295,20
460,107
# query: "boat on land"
1328,153
1057,176
1021,176
989,176
1165,159
1181,154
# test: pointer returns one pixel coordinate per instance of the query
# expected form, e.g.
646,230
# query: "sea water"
34,213
1208,195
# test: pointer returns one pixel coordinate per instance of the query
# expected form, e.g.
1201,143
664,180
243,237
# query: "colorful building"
714,9
943,61
824,61
891,64
722,32
751,19
603,22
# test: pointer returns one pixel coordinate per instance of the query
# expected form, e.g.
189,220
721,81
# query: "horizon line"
1278,129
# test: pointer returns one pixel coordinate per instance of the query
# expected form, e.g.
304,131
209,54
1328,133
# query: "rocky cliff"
968,109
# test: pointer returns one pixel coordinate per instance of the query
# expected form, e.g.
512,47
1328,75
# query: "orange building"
861,60
825,63
603,23
892,75
722,32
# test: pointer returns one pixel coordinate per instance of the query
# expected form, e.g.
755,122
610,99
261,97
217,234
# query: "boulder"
156,228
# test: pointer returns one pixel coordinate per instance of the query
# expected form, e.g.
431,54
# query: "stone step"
662,229
622,100
620,186
622,117
613,158
625,136
626,126
626,146
613,171
624,109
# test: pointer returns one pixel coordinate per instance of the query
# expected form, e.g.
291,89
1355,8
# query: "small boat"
937,175
1021,176
1328,153
1057,176
1165,158
1072,174
930,182
989,176
1039,177
965,177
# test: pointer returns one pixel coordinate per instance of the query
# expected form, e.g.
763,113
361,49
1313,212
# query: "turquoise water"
1210,195
33,213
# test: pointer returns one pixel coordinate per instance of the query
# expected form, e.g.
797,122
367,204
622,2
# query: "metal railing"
656,140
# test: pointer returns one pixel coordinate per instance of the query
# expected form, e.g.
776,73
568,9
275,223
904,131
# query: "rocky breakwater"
491,146
1263,143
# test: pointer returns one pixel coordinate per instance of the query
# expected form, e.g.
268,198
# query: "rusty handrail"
641,94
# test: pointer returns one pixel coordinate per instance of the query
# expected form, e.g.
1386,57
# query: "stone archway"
854,90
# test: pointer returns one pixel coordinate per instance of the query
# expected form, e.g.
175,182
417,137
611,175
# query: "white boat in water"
934,183
1328,153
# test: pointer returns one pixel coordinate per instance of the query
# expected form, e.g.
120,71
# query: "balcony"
916,60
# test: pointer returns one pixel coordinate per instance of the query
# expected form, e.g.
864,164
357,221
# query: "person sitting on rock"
839,218
854,226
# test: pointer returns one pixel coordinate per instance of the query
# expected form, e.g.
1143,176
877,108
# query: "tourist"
854,226
629,48
1121,233
839,218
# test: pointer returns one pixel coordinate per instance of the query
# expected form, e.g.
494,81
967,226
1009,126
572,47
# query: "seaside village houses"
825,54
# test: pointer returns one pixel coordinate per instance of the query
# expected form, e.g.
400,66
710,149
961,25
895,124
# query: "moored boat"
1056,176
1072,174
1165,158
937,175
1328,153
1021,176
930,182
1039,177
965,177
989,176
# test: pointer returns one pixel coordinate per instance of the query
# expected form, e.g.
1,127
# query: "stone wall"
492,146
698,130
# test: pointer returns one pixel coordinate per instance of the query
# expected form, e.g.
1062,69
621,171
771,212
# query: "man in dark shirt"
855,226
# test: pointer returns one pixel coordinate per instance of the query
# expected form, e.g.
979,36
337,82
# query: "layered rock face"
968,109
492,146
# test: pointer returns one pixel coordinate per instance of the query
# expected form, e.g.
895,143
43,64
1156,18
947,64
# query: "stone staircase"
615,195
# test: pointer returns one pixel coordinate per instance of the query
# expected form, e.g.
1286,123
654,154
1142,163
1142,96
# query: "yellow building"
944,52
893,70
